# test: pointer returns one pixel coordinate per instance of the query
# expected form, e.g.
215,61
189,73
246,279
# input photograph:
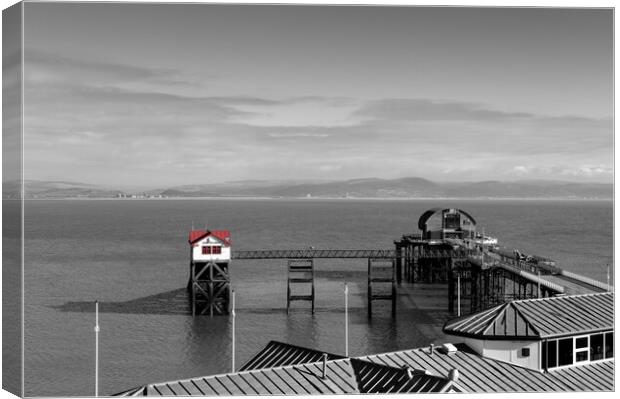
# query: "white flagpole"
608,286
233,331
346,320
96,348
458,293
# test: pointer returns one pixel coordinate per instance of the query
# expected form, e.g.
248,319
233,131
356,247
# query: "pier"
449,249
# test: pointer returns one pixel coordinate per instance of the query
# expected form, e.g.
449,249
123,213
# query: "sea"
133,257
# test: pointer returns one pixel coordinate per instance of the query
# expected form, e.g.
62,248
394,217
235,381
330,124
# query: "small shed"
210,246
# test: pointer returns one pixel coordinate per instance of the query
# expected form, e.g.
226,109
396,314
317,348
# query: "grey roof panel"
538,318
479,374
277,354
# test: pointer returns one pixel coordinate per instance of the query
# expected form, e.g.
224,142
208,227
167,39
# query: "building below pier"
554,344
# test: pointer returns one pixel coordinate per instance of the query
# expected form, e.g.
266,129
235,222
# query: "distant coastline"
250,198
406,189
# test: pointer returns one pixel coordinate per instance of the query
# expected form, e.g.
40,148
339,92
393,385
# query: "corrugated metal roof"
343,376
277,354
377,378
387,373
538,318
479,374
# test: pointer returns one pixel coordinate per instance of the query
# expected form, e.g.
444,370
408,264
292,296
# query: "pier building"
209,279
469,364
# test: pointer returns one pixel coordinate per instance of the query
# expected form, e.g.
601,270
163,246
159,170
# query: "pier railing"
342,253
314,253
586,280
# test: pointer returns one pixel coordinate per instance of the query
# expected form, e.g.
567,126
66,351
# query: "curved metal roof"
428,214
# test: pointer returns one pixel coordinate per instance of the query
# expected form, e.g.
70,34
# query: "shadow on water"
175,302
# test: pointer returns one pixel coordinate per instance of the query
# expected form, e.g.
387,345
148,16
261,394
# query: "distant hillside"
56,189
410,187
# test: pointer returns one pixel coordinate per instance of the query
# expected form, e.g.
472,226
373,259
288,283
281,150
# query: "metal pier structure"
300,272
448,251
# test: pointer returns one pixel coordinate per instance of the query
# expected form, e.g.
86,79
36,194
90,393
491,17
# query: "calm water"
133,257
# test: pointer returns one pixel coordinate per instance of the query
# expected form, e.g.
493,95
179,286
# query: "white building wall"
197,255
510,351
506,351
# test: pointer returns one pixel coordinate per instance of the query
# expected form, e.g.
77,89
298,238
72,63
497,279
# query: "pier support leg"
399,263
210,288
394,270
451,293
369,305
300,271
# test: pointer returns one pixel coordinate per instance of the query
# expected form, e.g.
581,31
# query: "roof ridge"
248,371
501,309
549,298
527,320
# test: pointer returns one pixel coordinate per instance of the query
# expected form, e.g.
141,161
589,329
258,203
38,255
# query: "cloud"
43,67
124,124
431,110
301,112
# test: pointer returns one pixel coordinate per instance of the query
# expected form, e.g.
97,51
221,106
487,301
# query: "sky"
158,95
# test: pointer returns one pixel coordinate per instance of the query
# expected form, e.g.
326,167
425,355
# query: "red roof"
222,235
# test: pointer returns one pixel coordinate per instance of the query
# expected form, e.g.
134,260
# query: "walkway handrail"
587,280
314,253
532,277
340,253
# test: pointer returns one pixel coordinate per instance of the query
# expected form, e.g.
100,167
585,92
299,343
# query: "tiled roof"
343,376
222,235
538,318
479,374
277,354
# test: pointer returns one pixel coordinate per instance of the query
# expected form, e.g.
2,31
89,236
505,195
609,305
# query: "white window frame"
585,349
575,350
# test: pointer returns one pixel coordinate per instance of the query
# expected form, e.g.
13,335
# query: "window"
609,345
596,347
565,352
211,249
573,350
582,350
552,354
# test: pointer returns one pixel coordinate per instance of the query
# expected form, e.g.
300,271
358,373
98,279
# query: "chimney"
432,349
453,375
324,365
409,371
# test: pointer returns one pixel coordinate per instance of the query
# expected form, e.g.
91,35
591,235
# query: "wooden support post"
369,288
451,292
377,274
209,288
458,295
192,293
394,271
211,292
399,271
300,271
